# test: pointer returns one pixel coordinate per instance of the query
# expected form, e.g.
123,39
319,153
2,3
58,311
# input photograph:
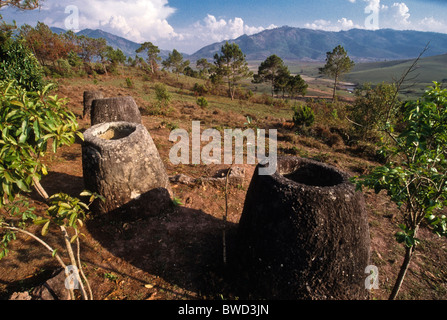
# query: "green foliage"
152,53
296,86
163,98
303,116
18,63
175,62
370,111
199,89
415,177
202,102
337,64
30,122
231,66
272,70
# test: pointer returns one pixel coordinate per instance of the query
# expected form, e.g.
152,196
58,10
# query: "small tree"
175,63
18,63
205,68
30,123
152,55
303,116
370,109
232,66
337,64
415,177
163,98
296,86
272,70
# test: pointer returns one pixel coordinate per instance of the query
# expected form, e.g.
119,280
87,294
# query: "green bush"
202,102
19,64
303,116
30,122
199,89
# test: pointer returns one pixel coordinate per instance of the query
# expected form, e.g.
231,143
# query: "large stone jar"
304,232
115,110
121,162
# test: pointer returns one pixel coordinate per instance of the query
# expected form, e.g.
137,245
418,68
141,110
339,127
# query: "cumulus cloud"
220,29
327,25
401,14
139,20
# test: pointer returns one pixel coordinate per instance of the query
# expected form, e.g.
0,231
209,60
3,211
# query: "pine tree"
337,64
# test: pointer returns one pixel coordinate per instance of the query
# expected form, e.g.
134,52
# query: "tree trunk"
335,88
403,271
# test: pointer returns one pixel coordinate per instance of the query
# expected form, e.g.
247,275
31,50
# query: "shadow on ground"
181,245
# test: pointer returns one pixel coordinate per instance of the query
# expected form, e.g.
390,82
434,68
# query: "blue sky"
188,25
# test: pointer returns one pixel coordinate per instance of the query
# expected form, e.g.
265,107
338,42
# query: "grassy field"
429,69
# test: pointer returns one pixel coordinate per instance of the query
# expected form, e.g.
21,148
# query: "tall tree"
232,66
297,85
91,48
175,62
337,64
282,79
152,55
270,71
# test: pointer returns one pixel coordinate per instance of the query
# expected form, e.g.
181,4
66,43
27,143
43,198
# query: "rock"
121,162
52,289
119,109
304,232
20,296
183,179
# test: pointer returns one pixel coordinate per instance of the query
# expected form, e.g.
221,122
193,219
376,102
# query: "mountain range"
300,44
312,45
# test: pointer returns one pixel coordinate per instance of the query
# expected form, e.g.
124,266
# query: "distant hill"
428,69
311,45
128,47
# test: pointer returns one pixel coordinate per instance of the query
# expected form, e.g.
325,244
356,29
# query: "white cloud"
327,25
140,20
431,24
401,14
211,28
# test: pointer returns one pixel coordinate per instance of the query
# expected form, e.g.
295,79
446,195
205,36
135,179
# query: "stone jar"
121,162
89,96
304,232
115,110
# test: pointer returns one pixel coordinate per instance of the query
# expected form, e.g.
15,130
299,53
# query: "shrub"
18,63
202,102
199,89
30,122
304,116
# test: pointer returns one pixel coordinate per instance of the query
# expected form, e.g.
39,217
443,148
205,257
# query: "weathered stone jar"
305,232
121,162
114,110
89,96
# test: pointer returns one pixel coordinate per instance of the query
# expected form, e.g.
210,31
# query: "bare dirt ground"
179,254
